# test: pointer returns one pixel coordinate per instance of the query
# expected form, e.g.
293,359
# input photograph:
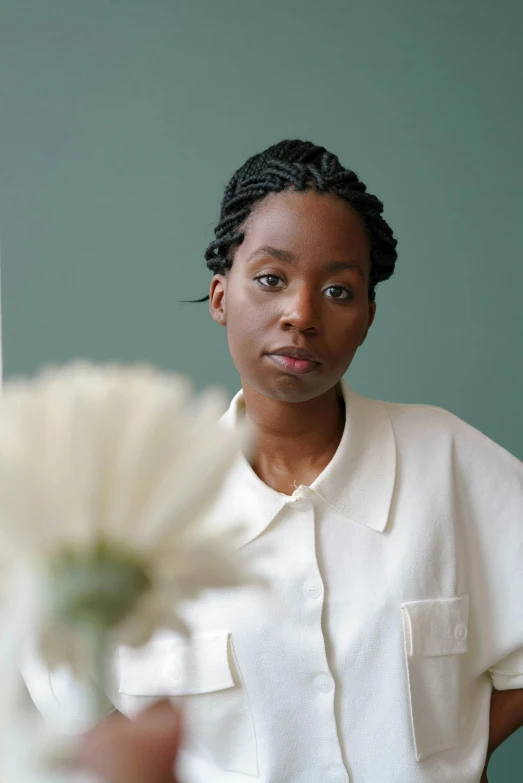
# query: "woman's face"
299,281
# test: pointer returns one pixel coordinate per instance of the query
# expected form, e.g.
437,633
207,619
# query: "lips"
297,361
294,352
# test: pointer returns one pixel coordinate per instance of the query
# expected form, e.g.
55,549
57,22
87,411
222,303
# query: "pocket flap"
175,666
436,626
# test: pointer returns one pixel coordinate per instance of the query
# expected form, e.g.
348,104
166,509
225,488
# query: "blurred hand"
138,751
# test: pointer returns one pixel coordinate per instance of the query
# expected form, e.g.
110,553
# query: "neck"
294,441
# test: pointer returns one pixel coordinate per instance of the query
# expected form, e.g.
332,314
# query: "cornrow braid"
299,165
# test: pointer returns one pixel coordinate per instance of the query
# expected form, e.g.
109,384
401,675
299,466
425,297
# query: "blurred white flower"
105,477
31,752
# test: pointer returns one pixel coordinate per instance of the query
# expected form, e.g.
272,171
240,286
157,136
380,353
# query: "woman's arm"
506,717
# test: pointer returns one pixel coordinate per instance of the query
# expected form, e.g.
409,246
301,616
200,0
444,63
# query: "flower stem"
96,635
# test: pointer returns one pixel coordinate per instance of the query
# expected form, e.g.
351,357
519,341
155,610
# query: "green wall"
122,121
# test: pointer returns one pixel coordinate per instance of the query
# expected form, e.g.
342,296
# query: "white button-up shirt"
393,604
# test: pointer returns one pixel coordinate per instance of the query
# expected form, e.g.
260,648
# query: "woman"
390,536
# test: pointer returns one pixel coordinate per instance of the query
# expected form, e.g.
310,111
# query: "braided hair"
299,165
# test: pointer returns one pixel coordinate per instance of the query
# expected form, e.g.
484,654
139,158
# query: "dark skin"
314,253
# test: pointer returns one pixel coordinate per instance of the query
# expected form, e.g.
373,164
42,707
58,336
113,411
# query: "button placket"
323,684
302,504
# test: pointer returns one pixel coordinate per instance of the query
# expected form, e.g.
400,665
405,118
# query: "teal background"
121,122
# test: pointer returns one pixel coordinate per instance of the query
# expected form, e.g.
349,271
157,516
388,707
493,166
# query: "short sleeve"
59,696
489,484
508,674
64,700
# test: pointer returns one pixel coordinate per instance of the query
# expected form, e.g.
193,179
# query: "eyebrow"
286,257
280,255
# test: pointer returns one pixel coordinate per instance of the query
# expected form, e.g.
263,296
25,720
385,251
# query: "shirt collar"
358,482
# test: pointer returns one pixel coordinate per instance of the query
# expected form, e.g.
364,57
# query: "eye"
340,293
268,281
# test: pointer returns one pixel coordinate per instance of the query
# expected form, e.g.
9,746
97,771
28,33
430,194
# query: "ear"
372,315
217,305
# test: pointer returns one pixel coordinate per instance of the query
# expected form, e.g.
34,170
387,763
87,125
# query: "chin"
294,388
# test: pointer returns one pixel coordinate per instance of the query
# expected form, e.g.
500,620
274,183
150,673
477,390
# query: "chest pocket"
202,676
435,634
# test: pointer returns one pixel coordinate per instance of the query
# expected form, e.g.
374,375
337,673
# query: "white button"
172,670
324,683
461,632
312,588
337,774
302,504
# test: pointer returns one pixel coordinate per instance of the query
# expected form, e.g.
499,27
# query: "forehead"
307,223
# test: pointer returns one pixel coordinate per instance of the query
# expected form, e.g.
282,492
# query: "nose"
300,311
